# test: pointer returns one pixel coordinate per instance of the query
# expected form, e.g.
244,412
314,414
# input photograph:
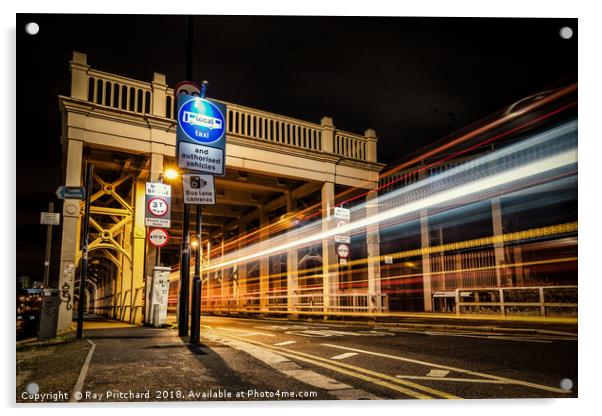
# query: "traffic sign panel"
158,237
198,189
158,202
50,218
201,134
158,206
70,192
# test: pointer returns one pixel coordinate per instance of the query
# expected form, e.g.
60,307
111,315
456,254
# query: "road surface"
381,361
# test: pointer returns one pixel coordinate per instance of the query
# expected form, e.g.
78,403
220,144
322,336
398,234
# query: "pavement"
276,359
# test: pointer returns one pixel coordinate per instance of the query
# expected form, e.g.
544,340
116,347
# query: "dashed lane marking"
285,343
437,373
246,333
343,356
459,370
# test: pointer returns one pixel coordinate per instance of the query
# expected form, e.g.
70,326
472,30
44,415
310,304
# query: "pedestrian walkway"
147,364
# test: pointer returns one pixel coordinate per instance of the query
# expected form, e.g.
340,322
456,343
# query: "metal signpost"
342,241
50,219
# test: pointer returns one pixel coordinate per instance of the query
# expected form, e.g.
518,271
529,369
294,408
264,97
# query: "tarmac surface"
242,359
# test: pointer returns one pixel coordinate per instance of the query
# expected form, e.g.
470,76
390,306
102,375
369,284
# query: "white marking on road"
437,373
310,377
456,369
463,380
285,343
79,384
247,333
343,356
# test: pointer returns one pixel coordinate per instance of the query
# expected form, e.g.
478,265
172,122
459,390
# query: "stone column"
371,140
264,264
292,264
79,76
242,268
373,253
327,135
70,236
159,86
156,169
426,262
329,258
498,248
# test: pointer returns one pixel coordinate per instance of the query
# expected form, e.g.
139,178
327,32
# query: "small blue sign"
201,120
70,192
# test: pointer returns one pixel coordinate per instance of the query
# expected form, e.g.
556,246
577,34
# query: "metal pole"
185,257
48,247
84,270
195,329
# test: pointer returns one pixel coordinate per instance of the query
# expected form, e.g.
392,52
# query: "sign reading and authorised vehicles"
201,135
158,201
342,241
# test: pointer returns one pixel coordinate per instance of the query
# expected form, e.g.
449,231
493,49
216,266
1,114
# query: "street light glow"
170,173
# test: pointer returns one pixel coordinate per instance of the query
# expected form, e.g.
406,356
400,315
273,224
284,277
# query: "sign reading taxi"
158,205
201,135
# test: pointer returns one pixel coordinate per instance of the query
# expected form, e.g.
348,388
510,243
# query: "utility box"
49,314
159,293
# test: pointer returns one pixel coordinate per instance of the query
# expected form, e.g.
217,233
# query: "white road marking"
79,384
283,365
456,369
437,373
246,333
463,380
285,343
343,356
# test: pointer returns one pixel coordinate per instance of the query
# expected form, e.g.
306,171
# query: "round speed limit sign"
157,207
158,237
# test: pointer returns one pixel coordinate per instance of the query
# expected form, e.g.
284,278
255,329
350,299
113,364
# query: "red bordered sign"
158,237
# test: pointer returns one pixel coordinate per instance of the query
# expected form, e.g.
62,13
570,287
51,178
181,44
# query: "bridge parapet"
156,99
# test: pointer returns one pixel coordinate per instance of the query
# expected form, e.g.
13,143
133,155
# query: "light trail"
545,153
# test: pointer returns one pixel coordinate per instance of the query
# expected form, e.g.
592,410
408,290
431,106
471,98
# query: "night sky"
401,76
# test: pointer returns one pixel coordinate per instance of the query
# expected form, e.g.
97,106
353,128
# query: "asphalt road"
365,361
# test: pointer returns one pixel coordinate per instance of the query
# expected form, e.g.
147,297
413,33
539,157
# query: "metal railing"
528,301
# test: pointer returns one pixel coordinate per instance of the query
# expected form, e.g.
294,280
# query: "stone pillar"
371,141
242,269
70,236
327,135
159,86
264,264
292,264
225,286
373,254
79,76
330,267
498,248
426,262
138,254
156,169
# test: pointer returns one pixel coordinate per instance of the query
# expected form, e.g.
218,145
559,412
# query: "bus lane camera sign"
201,135
158,205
